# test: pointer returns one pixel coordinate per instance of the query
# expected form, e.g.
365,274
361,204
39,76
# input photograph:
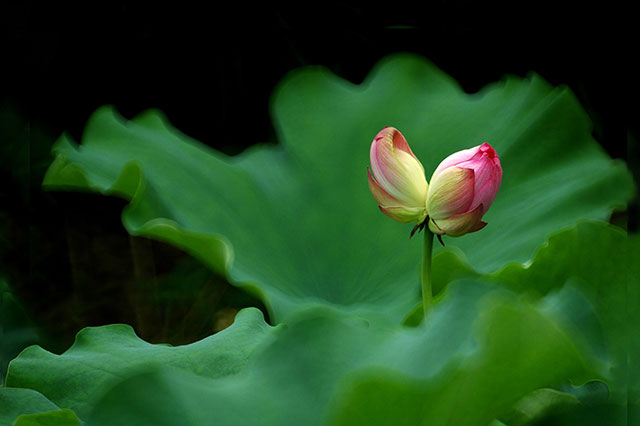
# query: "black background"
217,67
67,255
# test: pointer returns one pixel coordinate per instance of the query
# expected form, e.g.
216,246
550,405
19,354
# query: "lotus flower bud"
398,183
462,189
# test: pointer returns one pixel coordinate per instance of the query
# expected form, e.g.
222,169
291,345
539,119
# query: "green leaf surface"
590,268
64,417
537,405
597,260
102,356
296,224
480,352
15,402
483,349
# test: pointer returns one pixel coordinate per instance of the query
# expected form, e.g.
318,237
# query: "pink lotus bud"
398,183
462,189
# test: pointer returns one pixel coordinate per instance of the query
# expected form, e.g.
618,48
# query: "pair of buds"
461,191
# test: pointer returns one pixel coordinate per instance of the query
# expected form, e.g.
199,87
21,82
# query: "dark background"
68,257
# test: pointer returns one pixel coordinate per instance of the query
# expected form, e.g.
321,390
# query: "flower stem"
426,270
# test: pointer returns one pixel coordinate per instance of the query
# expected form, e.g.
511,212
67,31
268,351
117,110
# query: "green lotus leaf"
481,351
64,417
598,260
295,223
484,353
537,405
591,268
102,356
27,407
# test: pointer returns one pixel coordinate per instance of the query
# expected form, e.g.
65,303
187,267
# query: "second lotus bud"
462,189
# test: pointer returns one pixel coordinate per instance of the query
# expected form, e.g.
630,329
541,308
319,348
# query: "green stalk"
426,270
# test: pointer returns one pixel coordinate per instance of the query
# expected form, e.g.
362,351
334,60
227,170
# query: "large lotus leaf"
296,222
101,356
600,262
596,259
481,351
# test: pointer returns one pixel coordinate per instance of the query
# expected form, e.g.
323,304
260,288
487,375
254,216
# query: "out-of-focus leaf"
537,405
296,223
102,356
612,283
592,267
16,402
64,417
501,366
595,258
480,352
